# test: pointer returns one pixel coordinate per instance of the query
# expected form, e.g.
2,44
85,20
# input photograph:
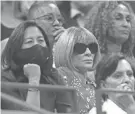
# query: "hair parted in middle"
98,23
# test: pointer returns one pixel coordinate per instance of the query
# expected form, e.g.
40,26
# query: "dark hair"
98,24
107,66
49,74
15,42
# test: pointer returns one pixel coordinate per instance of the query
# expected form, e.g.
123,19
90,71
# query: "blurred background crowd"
86,45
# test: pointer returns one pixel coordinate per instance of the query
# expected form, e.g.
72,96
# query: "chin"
88,67
124,38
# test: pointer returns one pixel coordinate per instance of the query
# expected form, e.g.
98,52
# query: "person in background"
65,7
21,8
49,14
112,24
12,14
77,52
75,12
27,58
8,18
114,71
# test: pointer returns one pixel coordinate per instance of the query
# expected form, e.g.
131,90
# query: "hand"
58,32
124,87
125,100
32,71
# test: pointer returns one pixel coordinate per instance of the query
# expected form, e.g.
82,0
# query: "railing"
34,109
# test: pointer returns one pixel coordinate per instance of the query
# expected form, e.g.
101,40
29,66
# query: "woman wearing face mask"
76,53
112,24
52,21
114,71
27,58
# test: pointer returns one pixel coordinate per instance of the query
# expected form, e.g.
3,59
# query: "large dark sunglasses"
80,48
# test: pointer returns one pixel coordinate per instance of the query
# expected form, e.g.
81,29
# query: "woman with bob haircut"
116,72
112,24
27,58
76,53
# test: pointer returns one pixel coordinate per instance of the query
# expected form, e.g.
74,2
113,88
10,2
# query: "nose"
126,79
56,22
35,42
126,24
88,52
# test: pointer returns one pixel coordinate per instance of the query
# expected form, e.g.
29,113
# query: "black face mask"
36,55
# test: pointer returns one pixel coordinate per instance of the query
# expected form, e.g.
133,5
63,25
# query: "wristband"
33,89
33,83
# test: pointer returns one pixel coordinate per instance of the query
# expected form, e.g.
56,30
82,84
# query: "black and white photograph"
67,57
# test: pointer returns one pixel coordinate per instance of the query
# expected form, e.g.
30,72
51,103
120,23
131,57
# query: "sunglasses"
80,48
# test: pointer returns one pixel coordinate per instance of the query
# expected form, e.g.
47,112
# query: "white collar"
111,108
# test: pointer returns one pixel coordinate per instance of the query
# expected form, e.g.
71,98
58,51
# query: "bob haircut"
15,42
108,66
98,23
63,49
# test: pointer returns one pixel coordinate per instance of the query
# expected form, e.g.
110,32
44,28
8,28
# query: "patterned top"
85,91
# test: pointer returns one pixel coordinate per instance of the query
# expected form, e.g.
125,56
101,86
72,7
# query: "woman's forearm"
33,95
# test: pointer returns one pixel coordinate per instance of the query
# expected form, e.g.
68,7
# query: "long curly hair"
98,24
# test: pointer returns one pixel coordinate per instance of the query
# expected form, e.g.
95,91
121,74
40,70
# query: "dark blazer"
61,101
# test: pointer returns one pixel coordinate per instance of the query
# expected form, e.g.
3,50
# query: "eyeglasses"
80,48
51,19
